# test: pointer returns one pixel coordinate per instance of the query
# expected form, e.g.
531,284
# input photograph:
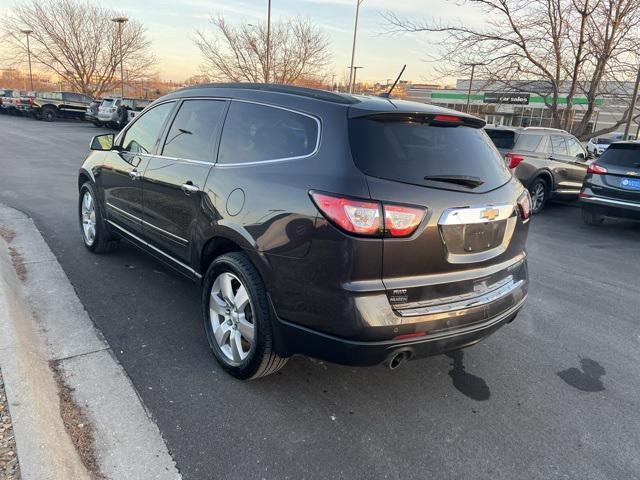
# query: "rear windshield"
604,141
107,102
502,138
622,155
408,152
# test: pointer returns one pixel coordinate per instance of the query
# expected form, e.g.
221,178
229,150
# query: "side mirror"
102,142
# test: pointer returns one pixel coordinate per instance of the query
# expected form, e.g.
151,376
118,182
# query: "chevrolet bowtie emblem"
489,213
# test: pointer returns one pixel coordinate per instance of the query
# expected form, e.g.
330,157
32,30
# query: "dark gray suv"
357,230
549,162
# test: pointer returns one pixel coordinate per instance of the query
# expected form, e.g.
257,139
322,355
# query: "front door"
121,175
174,180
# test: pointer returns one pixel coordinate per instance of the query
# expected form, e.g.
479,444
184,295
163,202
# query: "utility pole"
27,33
121,21
352,73
354,70
473,69
266,76
632,107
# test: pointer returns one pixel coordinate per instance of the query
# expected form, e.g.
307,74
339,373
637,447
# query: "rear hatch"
107,108
471,242
622,179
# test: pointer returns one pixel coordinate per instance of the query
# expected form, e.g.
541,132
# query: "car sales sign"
508,98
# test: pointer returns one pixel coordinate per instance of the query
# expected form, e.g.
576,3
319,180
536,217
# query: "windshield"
459,157
604,141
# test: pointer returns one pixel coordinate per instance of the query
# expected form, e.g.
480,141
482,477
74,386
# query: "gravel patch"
9,467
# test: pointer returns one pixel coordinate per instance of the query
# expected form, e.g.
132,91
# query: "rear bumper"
611,204
291,339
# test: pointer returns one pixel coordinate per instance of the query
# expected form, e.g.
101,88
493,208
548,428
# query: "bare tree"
547,47
299,50
76,40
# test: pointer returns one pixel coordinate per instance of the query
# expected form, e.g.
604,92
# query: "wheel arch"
545,175
225,239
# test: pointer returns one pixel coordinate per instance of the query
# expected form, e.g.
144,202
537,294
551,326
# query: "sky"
171,26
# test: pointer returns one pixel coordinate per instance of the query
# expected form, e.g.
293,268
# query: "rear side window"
143,134
192,134
574,148
502,138
408,152
622,155
258,133
528,142
559,145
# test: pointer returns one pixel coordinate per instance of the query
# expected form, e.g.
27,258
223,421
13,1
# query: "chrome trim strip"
463,216
610,201
119,210
138,219
183,240
488,297
567,191
147,244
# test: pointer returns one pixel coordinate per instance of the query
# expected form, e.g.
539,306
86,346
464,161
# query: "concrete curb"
43,321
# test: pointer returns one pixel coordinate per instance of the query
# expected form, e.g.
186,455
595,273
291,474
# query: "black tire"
48,113
261,360
592,217
103,241
539,191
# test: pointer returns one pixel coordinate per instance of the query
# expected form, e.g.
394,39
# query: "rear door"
622,180
174,179
120,176
567,172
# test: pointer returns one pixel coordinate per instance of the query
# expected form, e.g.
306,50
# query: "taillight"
596,169
524,205
31,101
400,221
363,217
354,216
447,119
513,160
113,109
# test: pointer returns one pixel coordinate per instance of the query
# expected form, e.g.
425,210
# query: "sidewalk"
63,384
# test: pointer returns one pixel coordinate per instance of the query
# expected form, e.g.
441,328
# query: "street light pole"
354,70
352,73
120,21
27,33
632,107
268,62
473,69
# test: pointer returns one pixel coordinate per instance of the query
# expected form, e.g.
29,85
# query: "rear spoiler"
443,119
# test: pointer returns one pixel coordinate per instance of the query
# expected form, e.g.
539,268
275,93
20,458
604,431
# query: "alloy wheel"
231,317
537,196
88,212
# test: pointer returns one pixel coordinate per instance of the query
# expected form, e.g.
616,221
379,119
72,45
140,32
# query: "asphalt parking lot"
555,394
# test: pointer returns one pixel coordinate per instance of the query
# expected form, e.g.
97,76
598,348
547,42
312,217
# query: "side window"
574,147
193,132
143,134
71,97
528,142
257,133
559,145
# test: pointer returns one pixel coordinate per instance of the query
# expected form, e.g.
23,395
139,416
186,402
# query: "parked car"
13,101
596,146
116,112
49,106
355,230
91,113
549,162
612,185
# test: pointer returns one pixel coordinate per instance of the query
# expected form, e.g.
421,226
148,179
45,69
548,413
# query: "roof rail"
280,88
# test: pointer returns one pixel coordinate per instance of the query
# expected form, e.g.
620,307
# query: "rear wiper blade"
465,181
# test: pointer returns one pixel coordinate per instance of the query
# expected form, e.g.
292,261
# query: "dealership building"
516,105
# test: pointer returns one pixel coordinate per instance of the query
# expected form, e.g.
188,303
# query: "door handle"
134,174
189,188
